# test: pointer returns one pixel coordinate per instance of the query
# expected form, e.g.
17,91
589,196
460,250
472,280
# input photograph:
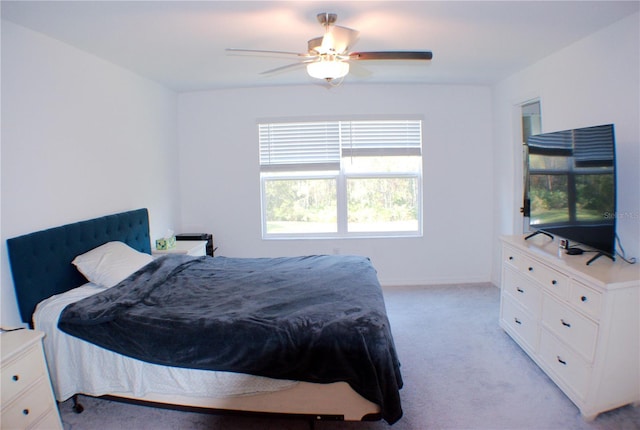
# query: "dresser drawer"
586,299
20,373
29,407
522,290
515,259
575,330
565,363
512,258
554,282
520,322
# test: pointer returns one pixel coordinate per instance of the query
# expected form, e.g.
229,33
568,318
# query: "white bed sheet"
76,366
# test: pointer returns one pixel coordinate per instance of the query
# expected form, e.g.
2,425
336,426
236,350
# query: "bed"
324,384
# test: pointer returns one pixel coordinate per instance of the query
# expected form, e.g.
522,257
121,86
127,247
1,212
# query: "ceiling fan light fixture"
328,69
328,56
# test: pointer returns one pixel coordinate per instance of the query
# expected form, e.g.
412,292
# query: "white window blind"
299,146
319,145
381,138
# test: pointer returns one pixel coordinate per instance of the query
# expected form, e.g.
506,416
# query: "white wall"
594,81
80,138
219,174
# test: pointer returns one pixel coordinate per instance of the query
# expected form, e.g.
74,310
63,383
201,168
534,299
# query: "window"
341,178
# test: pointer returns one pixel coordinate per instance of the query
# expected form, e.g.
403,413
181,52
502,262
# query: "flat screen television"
571,187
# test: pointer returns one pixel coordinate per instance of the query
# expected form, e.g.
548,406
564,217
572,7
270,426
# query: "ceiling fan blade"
286,68
339,39
314,44
261,51
392,55
358,70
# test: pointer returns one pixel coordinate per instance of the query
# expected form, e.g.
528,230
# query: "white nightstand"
189,247
27,398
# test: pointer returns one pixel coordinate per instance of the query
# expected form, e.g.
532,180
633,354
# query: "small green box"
166,243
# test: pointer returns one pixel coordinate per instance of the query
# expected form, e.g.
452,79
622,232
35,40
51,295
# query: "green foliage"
301,200
313,202
382,200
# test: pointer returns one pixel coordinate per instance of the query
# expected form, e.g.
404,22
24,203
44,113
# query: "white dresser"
27,399
579,323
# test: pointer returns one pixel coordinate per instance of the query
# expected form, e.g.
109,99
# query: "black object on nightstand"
199,236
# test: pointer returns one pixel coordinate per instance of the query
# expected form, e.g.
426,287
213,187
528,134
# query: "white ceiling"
181,44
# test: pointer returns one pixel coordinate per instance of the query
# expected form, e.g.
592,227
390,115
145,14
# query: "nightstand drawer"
27,399
49,421
20,373
29,407
577,331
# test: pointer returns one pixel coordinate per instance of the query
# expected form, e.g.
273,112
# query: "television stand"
580,324
598,255
535,233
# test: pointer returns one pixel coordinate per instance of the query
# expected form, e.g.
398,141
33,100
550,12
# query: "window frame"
297,175
382,175
341,176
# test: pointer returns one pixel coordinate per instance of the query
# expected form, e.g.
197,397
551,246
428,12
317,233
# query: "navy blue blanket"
317,318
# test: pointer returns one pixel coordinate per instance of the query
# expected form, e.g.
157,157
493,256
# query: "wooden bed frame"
41,267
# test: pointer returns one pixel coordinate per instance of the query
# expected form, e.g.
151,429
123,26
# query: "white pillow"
110,263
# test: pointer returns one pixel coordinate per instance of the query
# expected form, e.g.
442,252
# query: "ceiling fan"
329,55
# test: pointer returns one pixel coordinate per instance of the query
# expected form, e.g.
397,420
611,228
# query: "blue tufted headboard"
41,261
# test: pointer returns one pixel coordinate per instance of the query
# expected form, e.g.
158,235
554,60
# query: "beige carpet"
461,371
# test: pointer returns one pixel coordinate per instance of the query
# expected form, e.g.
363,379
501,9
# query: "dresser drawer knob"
530,269
554,282
583,298
517,321
561,361
15,377
520,290
25,412
564,323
